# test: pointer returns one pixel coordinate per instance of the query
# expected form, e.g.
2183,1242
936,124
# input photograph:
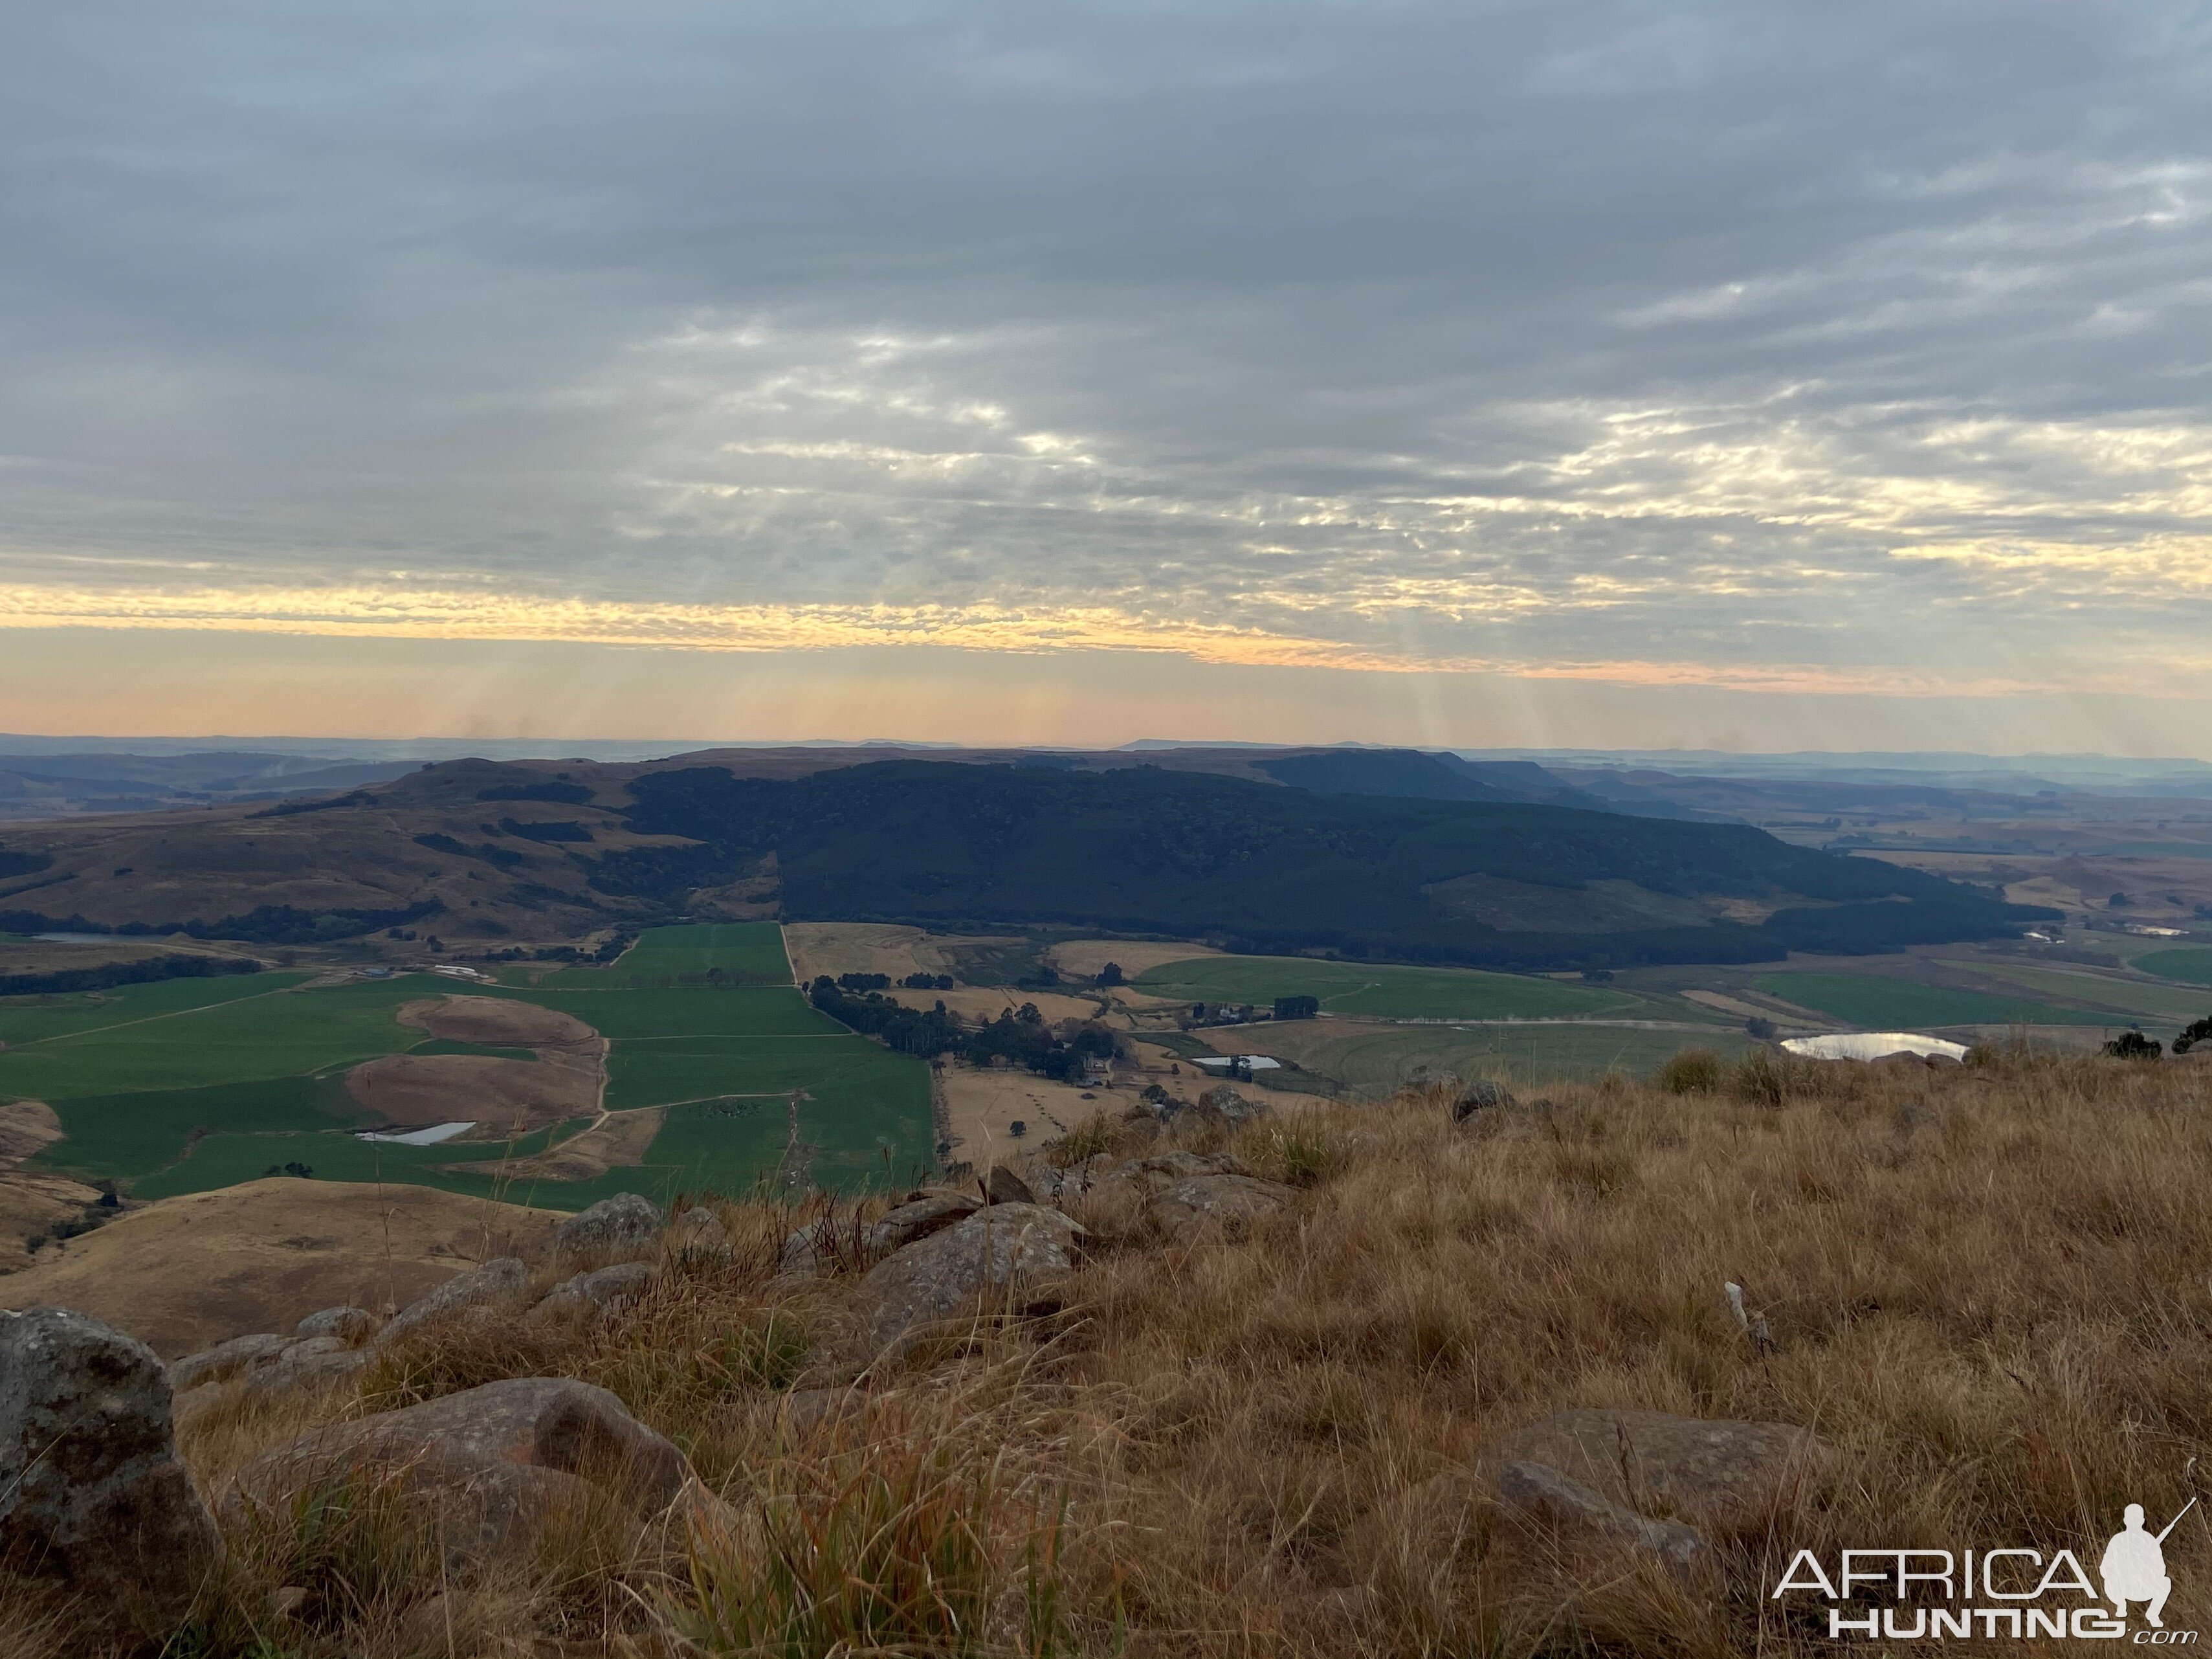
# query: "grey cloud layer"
1851,340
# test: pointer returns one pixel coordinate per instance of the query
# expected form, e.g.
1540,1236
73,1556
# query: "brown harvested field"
1720,1002
496,1022
982,1002
617,1141
984,1104
191,1271
862,947
500,1097
1086,957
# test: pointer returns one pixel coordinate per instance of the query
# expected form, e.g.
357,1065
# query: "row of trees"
1019,1035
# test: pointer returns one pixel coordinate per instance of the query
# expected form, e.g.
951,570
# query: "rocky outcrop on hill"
92,1494
614,1228
1598,1476
604,1287
959,1268
500,1279
488,1465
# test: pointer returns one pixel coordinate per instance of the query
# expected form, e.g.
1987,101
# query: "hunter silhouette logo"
2134,1567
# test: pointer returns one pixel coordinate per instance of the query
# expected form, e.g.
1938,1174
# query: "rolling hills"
543,855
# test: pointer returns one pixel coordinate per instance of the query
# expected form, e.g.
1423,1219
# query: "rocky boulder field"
1465,1372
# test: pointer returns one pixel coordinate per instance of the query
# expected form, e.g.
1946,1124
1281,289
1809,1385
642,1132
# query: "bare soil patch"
617,1141
193,1271
497,1023
501,1096
1723,1003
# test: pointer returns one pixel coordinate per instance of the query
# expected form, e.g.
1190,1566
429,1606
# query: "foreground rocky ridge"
1459,1372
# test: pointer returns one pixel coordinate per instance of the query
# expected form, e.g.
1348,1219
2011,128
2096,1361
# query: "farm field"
673,1070
239,1040
2162,1002
33,1018
1875,1003
2192,964
1382,991
620,1016
1374,1060
168,1095
739,952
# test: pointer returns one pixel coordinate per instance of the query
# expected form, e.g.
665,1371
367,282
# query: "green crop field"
2193,964
657,1072
740,952
1372,1061
2132,997
289,1033
687,1010
184,1085
32,1019
1875,1003
1384,992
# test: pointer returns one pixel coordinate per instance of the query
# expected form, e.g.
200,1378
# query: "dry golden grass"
1987,1287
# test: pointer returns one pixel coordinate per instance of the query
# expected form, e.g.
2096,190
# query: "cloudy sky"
1769,374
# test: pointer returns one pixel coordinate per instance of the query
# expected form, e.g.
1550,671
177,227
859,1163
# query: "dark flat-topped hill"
1192,854
1387,855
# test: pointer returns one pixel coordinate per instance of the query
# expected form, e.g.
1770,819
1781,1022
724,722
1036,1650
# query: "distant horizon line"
578,748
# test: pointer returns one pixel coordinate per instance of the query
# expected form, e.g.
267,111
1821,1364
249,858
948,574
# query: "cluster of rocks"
337,1342
94,1500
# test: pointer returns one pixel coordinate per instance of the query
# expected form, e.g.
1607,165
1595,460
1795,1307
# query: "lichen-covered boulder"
1707,1469
959,1268
312,1359
482,1469
354,1325
918,1217
224,1359
604,1287
624,1225
500,1279
1189,1207
92,1493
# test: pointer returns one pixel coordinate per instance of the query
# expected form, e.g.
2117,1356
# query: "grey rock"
919,1218
497,1280
311,1360
1189,1208
695,1237
92,1493
949,1271
349,1324
603,1287
483,1468
1481,1095
1716,1470
623,1224
1538,1495
1002,1186
222,1360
